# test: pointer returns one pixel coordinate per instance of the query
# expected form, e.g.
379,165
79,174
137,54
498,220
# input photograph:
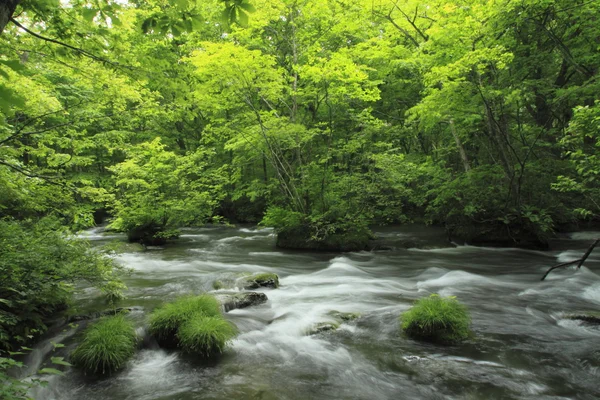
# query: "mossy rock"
343,316
235,300
107,346
437,319
261,280
321,327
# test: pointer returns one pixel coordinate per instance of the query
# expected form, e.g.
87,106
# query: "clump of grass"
165,320
196,324
205,335
107,345
437,319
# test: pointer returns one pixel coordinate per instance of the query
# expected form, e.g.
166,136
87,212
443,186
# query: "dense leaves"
320,118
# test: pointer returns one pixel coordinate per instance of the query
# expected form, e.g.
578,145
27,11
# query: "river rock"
321,327
591,318
343,316
233,300
262,280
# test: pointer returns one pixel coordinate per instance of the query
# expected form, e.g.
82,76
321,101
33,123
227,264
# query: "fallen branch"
579,261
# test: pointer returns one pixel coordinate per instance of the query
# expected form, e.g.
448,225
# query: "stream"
523,346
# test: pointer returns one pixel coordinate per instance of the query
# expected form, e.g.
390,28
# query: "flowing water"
523,346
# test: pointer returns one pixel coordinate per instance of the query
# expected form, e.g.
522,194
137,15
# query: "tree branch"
579,261
84,53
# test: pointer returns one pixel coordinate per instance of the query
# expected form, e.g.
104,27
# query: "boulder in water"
261,280
234,300
321,327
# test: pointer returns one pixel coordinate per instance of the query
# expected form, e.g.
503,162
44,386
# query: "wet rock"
321,327
592,318
98,314
262,280
344,316
234,300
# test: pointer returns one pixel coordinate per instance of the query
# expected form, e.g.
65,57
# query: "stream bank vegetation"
318,118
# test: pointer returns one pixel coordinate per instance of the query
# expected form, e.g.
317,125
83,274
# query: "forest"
319,118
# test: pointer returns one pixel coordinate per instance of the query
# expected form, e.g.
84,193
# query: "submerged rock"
321,327
262,280
234,300
327,326
592,318
343,316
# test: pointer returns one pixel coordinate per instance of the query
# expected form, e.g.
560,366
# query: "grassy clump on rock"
437,319
194,323
205,335
107,345
166,320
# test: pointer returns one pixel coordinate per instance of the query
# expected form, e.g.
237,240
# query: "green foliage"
205,335
437,319
194,323
158,191
166,320
11,388
39,264
106,345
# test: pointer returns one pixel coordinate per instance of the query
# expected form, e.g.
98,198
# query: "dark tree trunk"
7,9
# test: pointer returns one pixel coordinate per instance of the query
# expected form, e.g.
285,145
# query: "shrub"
437,319
165,320
39,267
205,335
106,346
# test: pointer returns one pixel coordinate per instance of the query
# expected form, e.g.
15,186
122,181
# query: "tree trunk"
460,147
7,9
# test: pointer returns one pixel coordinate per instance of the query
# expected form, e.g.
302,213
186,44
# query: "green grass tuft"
107,345
205,335
165,320
437,319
